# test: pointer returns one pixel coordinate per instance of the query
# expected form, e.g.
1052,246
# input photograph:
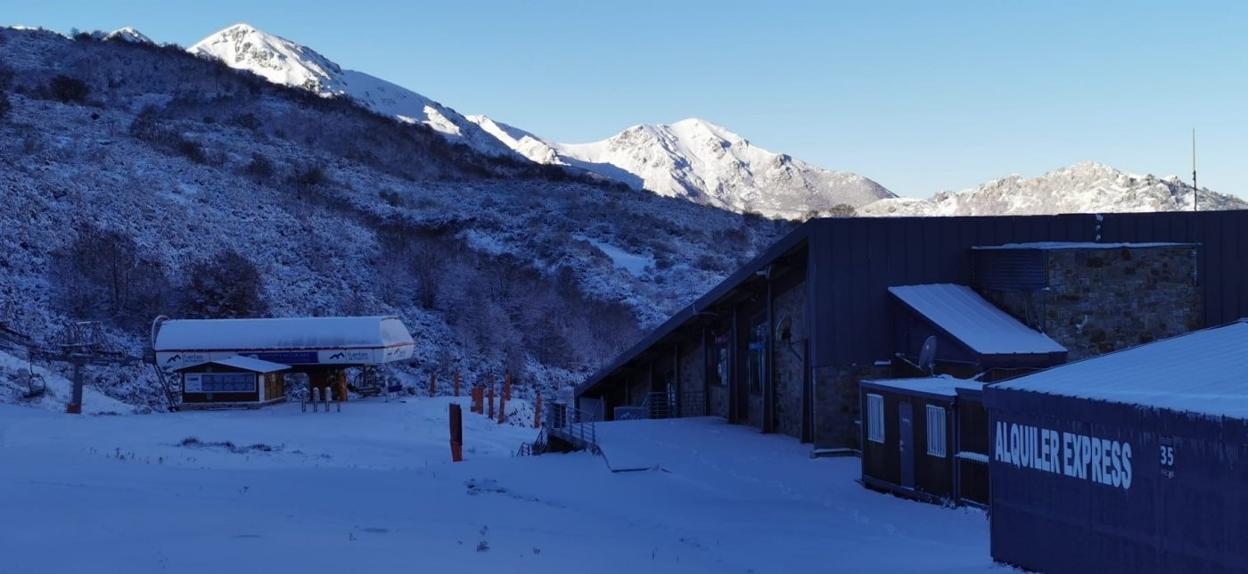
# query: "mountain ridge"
1083,187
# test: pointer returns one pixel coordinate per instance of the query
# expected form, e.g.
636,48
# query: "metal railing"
666,405
538,446
573,425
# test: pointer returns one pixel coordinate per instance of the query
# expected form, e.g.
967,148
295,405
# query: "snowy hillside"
132,169
1085,187
282,61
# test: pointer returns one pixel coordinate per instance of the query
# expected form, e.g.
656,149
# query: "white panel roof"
247,363
943,385
982,326
281,334
1203,372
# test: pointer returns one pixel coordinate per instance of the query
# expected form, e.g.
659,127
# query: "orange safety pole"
457,383
490,397
457,432
507,385
478,394
433,384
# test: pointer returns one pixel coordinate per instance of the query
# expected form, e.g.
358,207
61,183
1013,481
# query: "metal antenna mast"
1195,188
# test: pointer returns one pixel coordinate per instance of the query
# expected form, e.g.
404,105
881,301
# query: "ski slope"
371,489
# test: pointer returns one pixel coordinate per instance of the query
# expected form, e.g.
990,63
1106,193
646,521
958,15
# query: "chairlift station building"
320,347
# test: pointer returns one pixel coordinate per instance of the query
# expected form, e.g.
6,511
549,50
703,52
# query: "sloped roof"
971,319
245,363
944,386
281,334
1203,372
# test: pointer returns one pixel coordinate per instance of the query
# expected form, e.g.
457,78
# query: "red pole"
507,385
478,396
457,432
490,396
433,384
457,383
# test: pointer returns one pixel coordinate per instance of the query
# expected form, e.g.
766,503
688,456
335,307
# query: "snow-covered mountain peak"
277,59
281,61
128,34
707,163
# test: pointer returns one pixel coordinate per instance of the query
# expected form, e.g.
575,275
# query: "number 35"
1167,455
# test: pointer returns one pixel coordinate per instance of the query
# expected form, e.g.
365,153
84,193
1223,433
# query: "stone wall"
837,409
1103,300
718,399
692,380
789,361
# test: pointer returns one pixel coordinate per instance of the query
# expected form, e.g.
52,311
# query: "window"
875,418
756,360
227,383
936,431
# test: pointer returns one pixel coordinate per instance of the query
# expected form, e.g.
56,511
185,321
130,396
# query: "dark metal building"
782,343
1135,461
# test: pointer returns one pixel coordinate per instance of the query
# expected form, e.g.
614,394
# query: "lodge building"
784,343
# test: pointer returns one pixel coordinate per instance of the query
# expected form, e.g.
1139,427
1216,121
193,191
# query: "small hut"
233,381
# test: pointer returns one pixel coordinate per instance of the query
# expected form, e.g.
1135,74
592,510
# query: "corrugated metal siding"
1009,269
854,259
1189,516
860,257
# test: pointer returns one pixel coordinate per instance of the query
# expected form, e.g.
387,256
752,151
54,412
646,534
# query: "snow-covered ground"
371,489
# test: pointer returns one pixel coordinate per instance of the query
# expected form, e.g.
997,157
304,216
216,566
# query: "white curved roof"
293,333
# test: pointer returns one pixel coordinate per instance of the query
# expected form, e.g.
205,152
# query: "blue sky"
920,96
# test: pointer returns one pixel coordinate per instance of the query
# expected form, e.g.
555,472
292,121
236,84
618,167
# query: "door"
905,443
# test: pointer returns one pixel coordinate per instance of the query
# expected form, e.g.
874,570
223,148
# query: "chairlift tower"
80,343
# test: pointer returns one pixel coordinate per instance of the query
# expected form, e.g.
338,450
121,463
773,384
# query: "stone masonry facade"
789,359
1102,300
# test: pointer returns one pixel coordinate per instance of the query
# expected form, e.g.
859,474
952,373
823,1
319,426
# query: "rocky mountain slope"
281,61
691,159
1086,187
140,180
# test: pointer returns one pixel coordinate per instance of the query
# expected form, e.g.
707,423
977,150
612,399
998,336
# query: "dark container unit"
233,381
970,471
909,436
1136,461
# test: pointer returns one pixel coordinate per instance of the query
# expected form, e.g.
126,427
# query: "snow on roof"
971,319
245,363
1203,372
1079,245
944,386
283,333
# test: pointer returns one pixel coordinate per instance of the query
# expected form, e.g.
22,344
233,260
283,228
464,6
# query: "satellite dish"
927,355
